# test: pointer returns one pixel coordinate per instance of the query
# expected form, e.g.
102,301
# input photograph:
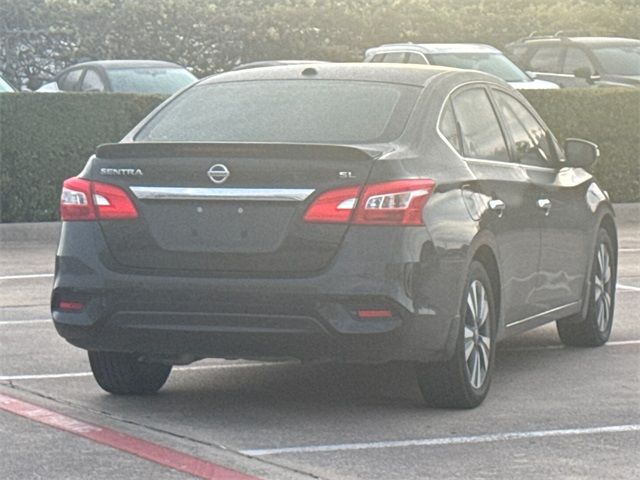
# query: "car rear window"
292,111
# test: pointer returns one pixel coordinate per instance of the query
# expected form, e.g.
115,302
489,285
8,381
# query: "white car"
121,76
468,56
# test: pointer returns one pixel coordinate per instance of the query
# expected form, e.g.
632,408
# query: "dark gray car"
344,212
580,61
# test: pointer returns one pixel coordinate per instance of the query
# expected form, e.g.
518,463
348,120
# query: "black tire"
124,374
594,330
450,384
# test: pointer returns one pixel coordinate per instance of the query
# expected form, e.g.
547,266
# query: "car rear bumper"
311,318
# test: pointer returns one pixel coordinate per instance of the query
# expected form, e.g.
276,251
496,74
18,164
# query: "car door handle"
497,205
545,204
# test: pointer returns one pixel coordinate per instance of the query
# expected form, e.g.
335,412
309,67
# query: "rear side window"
92,82
416,58
481,134
575,59
395,57
292,111
70,81
546,59
530,139
449,128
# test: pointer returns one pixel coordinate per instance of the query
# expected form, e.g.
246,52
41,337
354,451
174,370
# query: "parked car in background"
6,86
579,61
123,76
469,56
348,212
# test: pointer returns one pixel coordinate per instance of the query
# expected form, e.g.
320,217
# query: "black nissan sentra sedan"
343,212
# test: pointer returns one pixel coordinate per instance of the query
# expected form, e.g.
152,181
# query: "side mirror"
580,153
585,74
531,74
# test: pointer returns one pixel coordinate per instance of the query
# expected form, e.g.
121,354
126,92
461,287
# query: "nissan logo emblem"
218,173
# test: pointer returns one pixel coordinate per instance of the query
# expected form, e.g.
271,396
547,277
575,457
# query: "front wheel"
463,381
124,374
596,328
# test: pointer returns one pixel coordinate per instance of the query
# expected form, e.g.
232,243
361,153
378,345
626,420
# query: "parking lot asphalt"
553,411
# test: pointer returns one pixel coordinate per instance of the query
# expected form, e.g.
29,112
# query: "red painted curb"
121,441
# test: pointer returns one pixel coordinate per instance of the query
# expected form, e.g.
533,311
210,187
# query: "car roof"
408,74
273,63
589,41
435,48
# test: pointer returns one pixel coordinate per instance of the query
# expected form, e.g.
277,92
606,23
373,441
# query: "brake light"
85,200
398,202
334,206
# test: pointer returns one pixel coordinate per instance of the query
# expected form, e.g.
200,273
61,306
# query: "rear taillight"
85,200
399,202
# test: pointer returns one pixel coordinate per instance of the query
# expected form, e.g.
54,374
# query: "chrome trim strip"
518,322
232,194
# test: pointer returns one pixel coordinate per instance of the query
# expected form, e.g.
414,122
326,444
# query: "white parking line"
629,250
431,442
20,277
48,376
26,322
618,343
627,287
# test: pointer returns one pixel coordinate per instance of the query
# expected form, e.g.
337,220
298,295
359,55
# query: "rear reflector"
374,313
399,202
70,306
85,200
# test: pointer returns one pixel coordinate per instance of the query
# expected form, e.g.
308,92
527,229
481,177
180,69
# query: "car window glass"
481,134
546,59
70,80
575,59
378,58
530,139
416,58
92,82
394,57
449,128
620,60
318,111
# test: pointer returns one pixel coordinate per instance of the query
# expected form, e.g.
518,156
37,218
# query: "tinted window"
149,80
624,60
529,137
394,57
70,80
449,128
492,63
320,111
92,82
574,59
416,58
481,134
546,59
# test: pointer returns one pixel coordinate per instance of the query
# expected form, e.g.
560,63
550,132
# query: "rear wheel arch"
485,255
608,224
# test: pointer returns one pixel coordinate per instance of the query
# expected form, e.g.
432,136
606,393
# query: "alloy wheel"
603,287
477,334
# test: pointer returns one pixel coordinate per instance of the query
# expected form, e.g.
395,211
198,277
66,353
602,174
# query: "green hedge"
609,117
45,138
